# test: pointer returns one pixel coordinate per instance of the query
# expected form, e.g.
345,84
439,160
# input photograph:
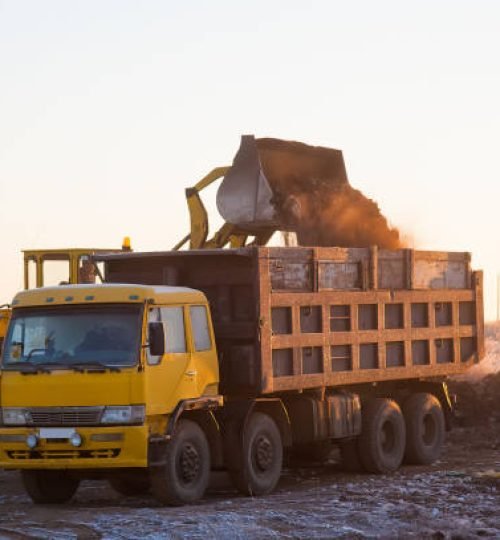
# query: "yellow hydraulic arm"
227,234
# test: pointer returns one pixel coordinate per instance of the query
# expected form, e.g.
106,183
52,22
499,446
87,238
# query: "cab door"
166,376
204,367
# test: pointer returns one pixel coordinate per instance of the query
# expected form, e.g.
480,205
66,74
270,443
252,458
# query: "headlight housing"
126,414
15,416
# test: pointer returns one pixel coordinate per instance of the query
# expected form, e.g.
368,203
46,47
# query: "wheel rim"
429,431
388,437
188,464
262,453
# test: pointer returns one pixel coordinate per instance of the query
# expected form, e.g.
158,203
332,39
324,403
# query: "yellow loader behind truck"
74,266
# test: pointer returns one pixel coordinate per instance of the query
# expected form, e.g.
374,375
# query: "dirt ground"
452,499
456,498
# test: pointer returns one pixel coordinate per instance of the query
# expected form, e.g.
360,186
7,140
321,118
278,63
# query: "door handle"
191,373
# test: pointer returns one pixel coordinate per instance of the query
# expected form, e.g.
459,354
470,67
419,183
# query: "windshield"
107,335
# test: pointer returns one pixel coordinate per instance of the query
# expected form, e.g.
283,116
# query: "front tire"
261,457
184,477
383,436
49,487
425,429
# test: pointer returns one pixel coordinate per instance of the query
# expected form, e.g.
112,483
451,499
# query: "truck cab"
92,375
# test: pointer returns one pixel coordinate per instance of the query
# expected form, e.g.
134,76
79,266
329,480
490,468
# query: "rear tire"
130,485
184,477
261,457
49,487
383,437
425,429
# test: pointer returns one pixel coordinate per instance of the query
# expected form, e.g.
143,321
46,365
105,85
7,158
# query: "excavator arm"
272,185
227,234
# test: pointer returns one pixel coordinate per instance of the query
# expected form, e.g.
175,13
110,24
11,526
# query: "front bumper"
102,447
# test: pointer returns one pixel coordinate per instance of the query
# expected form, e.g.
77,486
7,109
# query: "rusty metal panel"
341,357
468,348
291,275
392,270
395,354
281,320
440,274
339,275
282,362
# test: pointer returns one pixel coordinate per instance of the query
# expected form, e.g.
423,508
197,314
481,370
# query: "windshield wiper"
53,364
28,368
93,366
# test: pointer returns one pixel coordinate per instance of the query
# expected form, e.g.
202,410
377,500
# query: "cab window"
201,331
175,333
173,318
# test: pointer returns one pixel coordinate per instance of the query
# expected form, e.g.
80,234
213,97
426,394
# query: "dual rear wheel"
390,435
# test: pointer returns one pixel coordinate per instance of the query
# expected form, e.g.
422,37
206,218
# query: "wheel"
184,477
349,452
130,484
49,487
382,439
261,457
425,429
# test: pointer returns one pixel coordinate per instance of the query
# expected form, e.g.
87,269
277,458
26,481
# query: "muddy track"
450,499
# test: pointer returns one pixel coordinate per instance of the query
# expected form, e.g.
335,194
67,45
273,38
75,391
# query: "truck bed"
289,319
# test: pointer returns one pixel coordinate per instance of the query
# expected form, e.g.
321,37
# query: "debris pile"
478,390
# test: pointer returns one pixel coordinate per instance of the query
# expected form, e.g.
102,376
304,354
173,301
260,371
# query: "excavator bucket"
245,197
258,190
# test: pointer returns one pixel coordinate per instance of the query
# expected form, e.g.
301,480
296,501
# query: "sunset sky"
110,109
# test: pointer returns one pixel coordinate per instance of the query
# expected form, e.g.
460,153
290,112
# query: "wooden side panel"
288,319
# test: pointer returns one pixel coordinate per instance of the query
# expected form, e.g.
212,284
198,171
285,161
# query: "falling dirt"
313,196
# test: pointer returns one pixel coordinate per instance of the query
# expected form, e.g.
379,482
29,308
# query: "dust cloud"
313,197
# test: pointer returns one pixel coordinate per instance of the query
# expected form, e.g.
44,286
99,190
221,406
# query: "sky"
109,109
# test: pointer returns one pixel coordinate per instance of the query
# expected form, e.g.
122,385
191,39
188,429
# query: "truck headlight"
14,416
127,414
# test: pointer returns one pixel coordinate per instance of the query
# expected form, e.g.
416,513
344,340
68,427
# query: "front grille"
66,416
101,453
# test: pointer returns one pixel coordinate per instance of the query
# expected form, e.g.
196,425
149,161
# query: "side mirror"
156,331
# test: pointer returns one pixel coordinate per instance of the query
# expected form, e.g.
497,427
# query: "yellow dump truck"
232,359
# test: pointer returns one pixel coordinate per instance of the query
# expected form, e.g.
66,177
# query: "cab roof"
107,293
